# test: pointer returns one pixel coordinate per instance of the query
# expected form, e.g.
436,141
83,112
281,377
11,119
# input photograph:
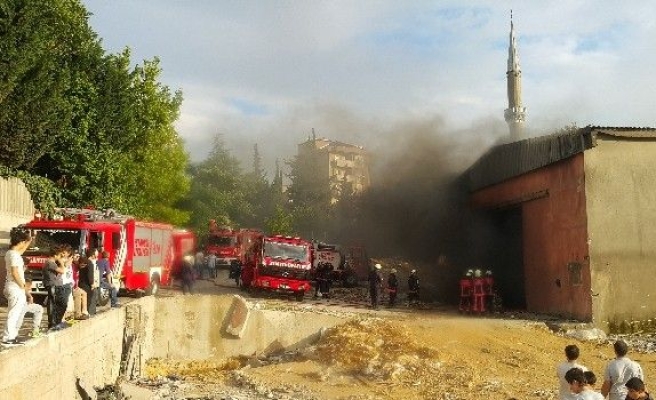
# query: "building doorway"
503,254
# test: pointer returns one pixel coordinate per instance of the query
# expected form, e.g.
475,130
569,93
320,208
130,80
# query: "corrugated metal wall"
513,159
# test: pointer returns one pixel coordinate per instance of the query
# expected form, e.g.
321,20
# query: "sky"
268,72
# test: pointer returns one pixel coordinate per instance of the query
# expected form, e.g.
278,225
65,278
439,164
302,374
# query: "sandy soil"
402,354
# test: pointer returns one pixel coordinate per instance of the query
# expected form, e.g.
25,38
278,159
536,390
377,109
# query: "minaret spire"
515,114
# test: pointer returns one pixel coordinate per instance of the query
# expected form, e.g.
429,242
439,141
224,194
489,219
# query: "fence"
16,207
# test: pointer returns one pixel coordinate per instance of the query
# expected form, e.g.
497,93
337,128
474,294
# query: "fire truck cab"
280,264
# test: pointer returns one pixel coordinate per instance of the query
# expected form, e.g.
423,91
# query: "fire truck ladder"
121,254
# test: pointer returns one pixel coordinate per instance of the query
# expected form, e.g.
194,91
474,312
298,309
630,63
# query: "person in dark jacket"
375,281
188,274
53,269
89,279
413,287
392,287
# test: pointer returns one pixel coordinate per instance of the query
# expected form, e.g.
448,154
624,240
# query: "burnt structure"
342,166
572,220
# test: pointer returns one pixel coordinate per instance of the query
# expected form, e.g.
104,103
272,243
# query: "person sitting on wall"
14,289
79,295
107,279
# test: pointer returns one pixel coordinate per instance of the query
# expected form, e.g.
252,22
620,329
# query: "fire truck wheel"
154,286
299,295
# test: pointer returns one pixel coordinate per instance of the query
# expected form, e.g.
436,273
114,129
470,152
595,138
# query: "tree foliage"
216,189
98,127
310,195
37,46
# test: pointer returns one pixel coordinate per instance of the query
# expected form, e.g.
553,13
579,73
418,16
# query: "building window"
575,274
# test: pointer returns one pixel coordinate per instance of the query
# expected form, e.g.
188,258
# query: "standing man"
392,287
67,282
15,289
413,287
618,372
211,265
375,281
92,281
571,355
200,264
53,282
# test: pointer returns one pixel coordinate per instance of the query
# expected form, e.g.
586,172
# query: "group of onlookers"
71,283
205,265
623,377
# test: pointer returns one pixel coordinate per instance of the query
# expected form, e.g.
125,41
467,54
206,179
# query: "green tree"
216,189
159,158
101,130
39,41
280,222
310,195
258,193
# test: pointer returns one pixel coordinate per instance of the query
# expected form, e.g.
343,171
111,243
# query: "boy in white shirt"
572,354
15,288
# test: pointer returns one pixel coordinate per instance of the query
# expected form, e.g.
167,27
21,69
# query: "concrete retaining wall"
179,327
199,330
46,368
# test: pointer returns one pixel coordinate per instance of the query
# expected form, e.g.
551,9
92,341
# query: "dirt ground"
404,353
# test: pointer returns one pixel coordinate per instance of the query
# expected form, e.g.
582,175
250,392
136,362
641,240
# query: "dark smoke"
418,206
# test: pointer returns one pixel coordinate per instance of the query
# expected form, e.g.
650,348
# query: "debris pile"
375,348
205,371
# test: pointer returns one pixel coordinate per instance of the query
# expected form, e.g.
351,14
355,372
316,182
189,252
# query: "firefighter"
375,282
392,287
413,287
235,272
324,281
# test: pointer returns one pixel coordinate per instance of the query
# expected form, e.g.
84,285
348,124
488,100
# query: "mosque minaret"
515,114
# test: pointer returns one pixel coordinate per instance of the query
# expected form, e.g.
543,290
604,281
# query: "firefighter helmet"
393,270
378,266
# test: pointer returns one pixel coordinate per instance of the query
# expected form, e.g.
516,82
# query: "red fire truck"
223,242
280,264
141,253
184,242
349,266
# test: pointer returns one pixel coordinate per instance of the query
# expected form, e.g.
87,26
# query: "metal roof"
509,160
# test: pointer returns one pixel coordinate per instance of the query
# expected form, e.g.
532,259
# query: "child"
572,354
636,389
579,387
